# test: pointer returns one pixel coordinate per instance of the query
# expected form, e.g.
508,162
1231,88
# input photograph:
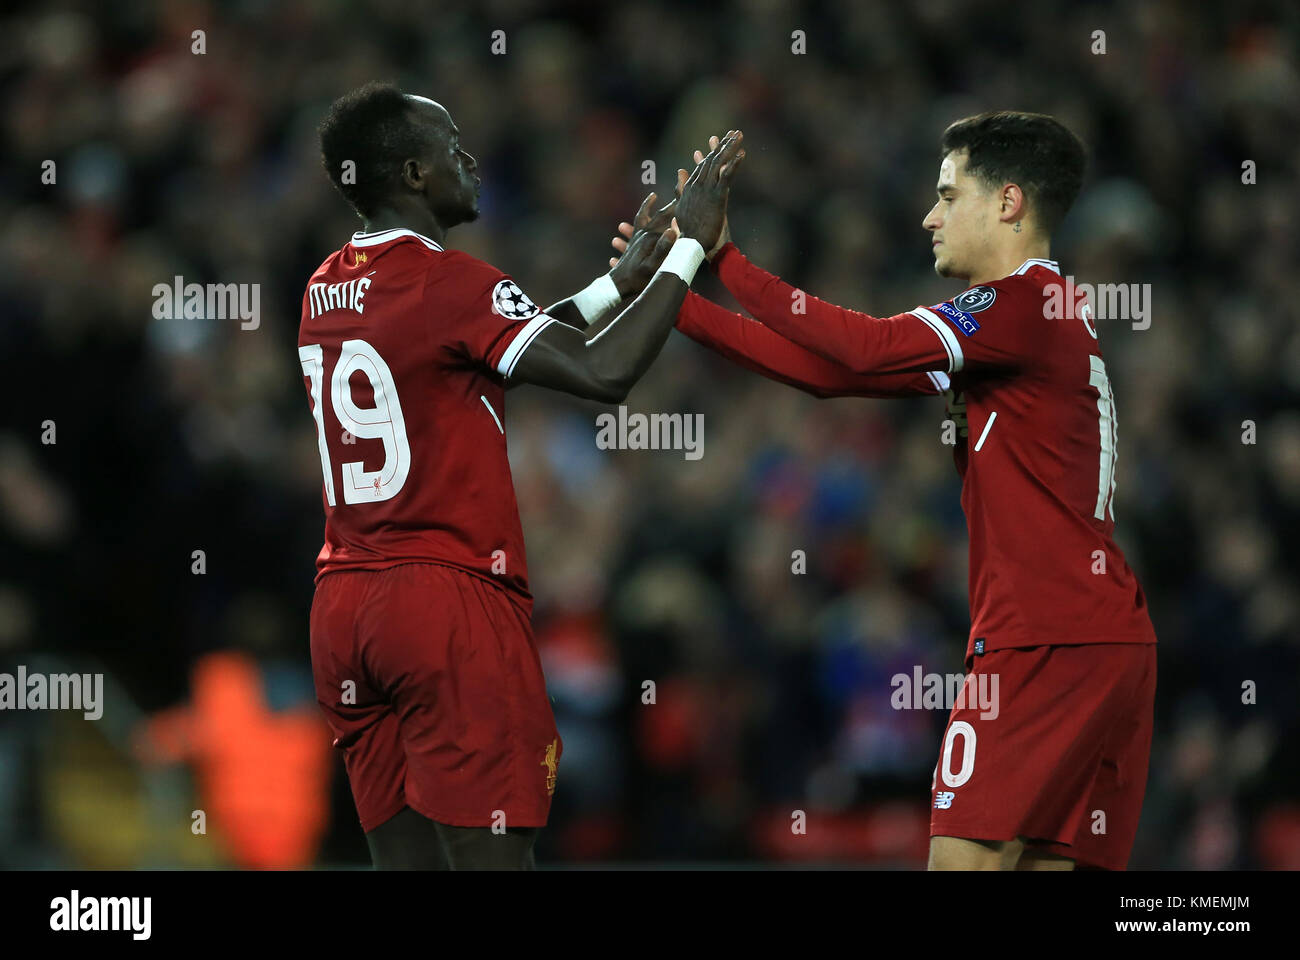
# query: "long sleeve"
941,337
764,351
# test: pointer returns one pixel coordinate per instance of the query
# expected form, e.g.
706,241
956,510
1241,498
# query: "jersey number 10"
382,422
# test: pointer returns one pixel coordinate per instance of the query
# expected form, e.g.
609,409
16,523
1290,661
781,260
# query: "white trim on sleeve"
940,380
526,335
949,339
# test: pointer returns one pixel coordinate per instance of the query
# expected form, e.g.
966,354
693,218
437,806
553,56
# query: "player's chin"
455,218
943,266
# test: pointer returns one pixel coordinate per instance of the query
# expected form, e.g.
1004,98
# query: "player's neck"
418,219
1007,261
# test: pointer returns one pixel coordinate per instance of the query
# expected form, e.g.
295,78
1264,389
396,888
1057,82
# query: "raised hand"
702,205
642,255
724,238
647,220
655,221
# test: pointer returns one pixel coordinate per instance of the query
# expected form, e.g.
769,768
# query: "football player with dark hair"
1055,773
421,642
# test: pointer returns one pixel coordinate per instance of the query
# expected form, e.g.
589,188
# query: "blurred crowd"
772,691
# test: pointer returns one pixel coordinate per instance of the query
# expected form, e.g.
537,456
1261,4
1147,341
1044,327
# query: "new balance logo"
943,800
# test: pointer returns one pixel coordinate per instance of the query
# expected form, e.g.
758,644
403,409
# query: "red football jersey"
1038,467
405,351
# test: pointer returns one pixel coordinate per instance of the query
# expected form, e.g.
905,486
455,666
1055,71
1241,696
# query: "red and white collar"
384,236
1037,262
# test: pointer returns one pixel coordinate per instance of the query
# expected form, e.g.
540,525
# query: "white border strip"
526,335
988,425
1038,262
940,380
383,236
493,412
949,339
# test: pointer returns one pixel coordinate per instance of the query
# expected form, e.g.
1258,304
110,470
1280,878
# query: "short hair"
373,126
1032,150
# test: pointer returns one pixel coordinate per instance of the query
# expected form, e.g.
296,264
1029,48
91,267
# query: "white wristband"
683,259
596,298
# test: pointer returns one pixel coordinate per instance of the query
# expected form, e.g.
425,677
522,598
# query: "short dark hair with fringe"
1032,150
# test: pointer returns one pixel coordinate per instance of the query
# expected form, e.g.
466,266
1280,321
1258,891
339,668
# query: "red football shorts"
431,683
1063,763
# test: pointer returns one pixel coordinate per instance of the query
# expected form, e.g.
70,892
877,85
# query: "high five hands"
645,247
699,211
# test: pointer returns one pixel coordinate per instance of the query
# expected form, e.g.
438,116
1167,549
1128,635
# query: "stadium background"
773,688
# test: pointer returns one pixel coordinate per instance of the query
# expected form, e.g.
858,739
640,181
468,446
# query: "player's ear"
414,175
1013,206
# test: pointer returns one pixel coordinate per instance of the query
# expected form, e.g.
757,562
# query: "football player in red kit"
421,643
1056,774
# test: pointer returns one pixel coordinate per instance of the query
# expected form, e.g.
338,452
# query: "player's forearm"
708,328
603,363
762,350
862,343
567,314
600,300
621,349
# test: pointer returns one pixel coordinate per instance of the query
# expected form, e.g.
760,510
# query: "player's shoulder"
1032,280
326,267
1026,282
462,278
457,264
1039,285
482,287
1019,294
976,306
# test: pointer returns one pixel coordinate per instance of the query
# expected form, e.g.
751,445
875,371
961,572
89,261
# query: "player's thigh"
407,841
457,659
961,853
957,853
359,715
480,848
1023,745
1040,858
1106,836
